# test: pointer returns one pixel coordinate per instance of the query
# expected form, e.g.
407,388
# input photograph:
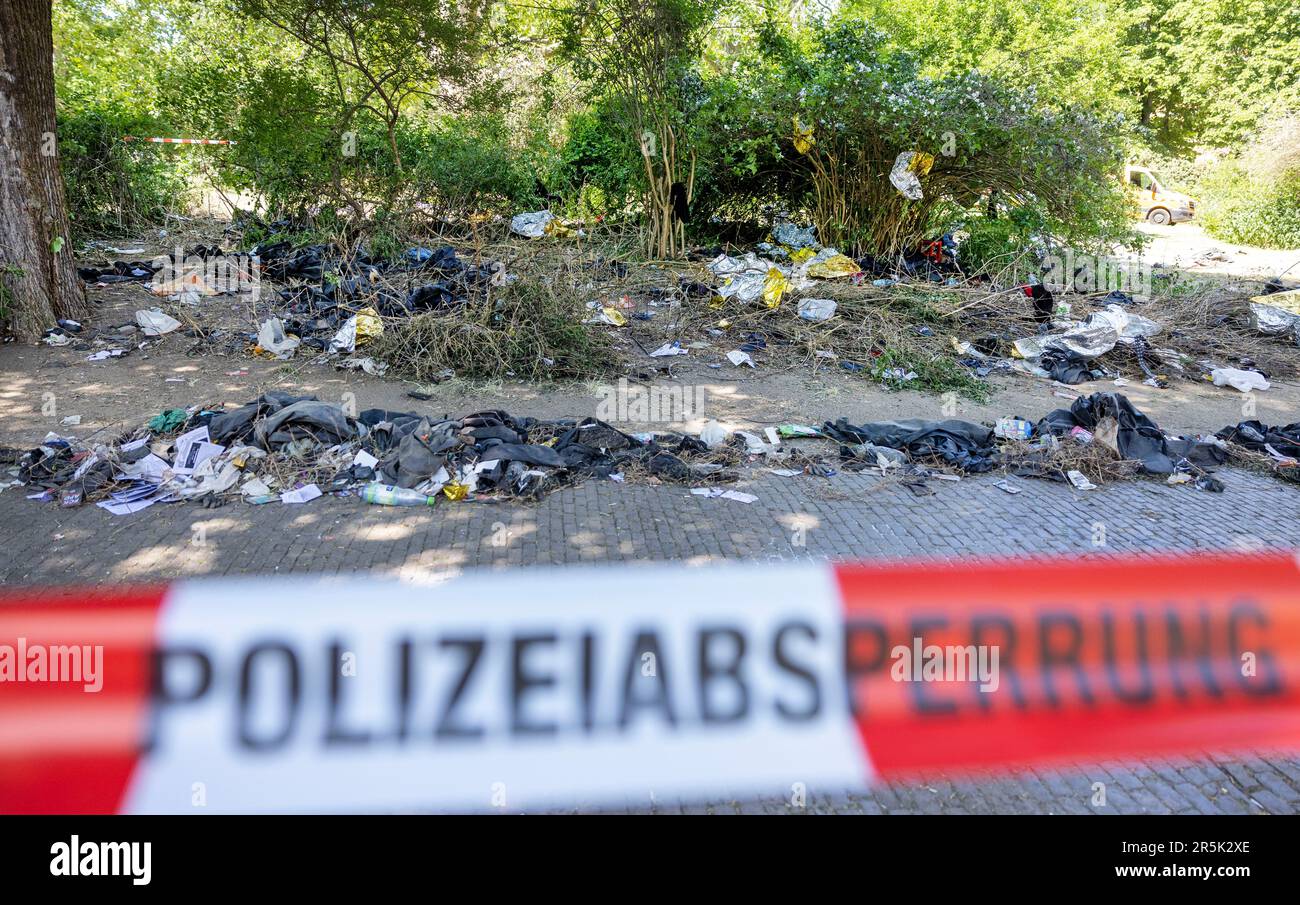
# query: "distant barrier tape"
609,685
180,141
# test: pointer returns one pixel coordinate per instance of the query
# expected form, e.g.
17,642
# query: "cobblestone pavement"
845,516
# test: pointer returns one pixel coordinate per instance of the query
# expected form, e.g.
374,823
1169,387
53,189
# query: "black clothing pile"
522,456
1066,366
326,289
1138,437
118,272
962,444
1257,436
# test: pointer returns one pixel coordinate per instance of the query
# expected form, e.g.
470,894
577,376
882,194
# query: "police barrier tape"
584,686
182,141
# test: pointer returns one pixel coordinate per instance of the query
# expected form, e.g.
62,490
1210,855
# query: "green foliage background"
1047,99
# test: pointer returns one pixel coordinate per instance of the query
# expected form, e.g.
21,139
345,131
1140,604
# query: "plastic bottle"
390,495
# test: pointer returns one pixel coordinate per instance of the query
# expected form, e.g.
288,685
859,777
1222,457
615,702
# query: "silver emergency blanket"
1100,332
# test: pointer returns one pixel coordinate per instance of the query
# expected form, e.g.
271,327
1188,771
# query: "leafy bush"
994,244
114,186
1252,211
597,165
866,103
1254,198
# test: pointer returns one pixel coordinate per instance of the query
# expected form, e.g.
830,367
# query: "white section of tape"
524,733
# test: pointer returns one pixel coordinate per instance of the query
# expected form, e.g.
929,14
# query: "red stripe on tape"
948,668
1095,659
64,748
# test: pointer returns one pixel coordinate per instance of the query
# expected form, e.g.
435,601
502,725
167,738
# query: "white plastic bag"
1245,381
156,322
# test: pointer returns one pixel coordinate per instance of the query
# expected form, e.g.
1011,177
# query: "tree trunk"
37,283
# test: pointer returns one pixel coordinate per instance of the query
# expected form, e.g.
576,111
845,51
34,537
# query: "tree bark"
37,283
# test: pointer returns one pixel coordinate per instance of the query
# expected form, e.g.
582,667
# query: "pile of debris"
1100,438
329,301
292,449
333,303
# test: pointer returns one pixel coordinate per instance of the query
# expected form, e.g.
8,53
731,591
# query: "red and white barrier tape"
607,685
182,141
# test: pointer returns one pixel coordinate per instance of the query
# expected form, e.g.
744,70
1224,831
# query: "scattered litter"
829,264
606,315
168,421
738,358
668,349
537,224
71,420
301,495
1007,487
1209,483
1079,481
907,167
1013,429
368,365
713,434
1245,381
193,449
390,495
798,430
358,330
272,339
156,322
719,493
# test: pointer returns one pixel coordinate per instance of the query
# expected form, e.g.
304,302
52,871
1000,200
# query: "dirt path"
1187,246
42,386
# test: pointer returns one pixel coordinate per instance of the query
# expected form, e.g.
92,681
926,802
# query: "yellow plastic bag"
455,490
615,316
774,287
803,137
802,255
837,266
368,325
921,163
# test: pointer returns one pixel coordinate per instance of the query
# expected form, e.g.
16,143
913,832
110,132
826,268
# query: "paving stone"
852,516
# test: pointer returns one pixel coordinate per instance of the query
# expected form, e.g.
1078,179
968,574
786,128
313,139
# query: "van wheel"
1159,216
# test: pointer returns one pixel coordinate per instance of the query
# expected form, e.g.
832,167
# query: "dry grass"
531,328
1096,461
1202,320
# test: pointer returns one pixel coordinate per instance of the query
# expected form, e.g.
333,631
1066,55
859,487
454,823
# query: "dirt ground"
43,385
1186,246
